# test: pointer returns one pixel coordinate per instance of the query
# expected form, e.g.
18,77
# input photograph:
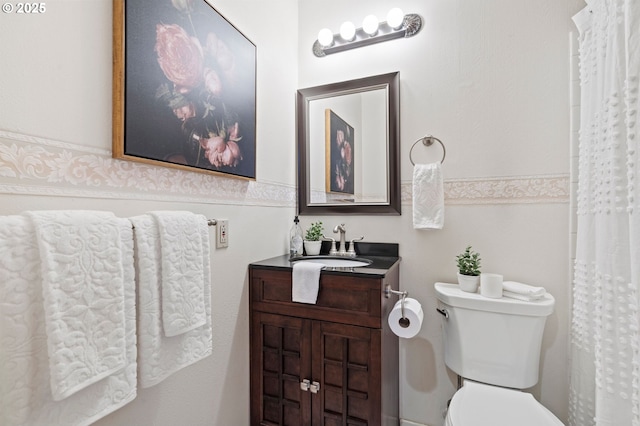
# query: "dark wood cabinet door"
346,362
280,361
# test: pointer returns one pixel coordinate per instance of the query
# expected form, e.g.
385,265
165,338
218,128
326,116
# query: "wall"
491,80
55,153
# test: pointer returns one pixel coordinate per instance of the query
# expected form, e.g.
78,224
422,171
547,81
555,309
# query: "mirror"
348,147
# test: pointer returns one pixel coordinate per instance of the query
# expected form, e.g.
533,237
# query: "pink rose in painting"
346,153
220,152
222,54
179,56
339,137
231,155
212,82
185,112
213,149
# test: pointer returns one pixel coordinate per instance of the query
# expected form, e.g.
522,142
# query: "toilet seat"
477,404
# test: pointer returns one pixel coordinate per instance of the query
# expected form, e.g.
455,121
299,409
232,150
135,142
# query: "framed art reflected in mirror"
339,138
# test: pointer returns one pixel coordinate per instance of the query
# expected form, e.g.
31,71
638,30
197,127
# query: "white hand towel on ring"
428,196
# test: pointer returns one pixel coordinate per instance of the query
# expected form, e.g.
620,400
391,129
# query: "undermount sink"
336,262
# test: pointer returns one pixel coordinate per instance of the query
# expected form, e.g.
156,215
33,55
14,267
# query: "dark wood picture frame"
390,81
184,88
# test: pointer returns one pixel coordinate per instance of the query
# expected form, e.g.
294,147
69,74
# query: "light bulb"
395,18
370,24
347,31
325,37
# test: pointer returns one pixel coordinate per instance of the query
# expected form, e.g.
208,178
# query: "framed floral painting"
339,138
184,88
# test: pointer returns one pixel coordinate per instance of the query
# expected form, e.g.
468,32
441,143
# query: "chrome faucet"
343,231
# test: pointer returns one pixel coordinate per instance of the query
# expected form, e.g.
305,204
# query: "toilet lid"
478,404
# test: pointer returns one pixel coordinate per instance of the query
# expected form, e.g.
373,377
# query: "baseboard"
410,423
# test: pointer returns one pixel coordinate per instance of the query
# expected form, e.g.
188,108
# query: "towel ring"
428,141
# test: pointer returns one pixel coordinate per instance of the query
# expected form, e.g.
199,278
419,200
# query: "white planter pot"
312,248
468,283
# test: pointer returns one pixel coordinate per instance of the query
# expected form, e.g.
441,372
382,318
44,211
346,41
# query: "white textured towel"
160,356
305,282
83,290
428,196
25,394
182,271
518,296
522,291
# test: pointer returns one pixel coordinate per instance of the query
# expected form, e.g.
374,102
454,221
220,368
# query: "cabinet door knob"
315,387
305,385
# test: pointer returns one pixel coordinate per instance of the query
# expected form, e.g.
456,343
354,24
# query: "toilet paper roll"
410,325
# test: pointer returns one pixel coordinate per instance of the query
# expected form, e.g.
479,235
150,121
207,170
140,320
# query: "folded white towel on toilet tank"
521,291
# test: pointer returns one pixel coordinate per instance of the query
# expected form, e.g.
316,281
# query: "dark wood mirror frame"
392,82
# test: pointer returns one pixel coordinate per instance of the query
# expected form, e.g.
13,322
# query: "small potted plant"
313,239
468,270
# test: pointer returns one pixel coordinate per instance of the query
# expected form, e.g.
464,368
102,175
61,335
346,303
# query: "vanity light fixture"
397,25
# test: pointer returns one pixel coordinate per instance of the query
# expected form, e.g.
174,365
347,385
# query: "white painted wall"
55,143
490,78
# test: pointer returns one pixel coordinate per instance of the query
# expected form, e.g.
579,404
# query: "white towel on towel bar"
428,196
25,394
182,271
160,356
83,290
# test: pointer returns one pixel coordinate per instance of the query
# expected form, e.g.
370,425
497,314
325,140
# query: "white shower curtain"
605,333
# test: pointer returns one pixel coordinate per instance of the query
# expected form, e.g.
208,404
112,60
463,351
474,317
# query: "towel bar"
428,141
210,222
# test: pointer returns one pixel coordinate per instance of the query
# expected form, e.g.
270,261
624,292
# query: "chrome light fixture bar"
370,33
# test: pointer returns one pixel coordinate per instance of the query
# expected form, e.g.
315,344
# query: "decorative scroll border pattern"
37,166
540,189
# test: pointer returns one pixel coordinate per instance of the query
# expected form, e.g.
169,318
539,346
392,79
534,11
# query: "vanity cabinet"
332,363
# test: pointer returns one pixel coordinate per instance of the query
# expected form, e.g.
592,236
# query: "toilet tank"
494,341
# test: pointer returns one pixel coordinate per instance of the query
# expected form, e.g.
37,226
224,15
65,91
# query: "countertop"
382,255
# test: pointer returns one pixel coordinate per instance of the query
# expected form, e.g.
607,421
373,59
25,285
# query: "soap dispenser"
295,241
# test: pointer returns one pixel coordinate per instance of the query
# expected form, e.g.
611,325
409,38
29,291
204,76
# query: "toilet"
494,346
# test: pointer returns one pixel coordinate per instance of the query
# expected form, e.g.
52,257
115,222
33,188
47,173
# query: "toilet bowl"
478,404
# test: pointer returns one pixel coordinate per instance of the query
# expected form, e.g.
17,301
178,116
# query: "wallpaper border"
31,165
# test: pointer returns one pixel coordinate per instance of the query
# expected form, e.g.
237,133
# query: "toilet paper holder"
403,295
